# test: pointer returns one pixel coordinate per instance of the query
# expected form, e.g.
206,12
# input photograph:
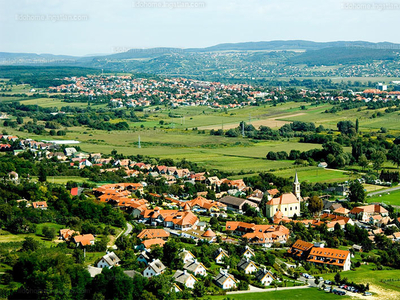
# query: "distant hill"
240,60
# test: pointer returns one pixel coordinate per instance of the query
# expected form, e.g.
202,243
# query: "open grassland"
315,174
376,279
62,179
298,294
392,198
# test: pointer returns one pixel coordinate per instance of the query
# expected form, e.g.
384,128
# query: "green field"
299,294
63,179
392,198
315,174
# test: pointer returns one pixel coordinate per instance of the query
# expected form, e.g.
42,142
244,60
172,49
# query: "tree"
363,161
49,232
356,192
378,158
199,289
356,125
315,204
42,176
337,278
30,244
394,155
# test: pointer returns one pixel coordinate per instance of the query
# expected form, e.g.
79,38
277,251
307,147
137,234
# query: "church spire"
296,187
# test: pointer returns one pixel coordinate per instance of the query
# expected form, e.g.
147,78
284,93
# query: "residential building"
109,260
247,266
248,252
153,233
185,278
196,267
83,240
225,280
363,213
186,256
40,205
153,242
264,276
154,268
219,255
236,204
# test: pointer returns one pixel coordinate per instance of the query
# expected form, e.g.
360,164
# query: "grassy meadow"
168,133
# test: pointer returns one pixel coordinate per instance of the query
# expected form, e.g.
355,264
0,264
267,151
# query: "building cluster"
140,92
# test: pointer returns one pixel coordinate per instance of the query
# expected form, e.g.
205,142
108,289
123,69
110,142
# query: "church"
288,204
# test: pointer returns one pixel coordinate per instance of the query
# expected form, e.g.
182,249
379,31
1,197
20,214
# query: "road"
254,289
129,229
384,191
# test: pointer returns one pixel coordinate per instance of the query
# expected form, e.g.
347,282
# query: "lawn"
392,198
62,179
299,294
315,174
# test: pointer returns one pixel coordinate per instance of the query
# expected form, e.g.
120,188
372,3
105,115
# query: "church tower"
296,187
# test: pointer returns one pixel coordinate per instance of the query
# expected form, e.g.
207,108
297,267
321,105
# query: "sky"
86,27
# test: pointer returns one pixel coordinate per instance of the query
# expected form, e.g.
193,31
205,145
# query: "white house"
265,277
155,268
248,252
247,266
225,280
186,256
109,260
185,278
220,254
196,267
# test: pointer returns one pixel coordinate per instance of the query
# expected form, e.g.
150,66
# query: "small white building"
196,267
186,256
220,254
265,277
155,268
247,266
108,261
185,278
248,252
225,280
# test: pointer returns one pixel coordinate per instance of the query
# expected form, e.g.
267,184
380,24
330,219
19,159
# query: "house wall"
102,264
288,210
228,284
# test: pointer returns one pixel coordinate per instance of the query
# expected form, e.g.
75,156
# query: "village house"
66,234
147,244
264,276
186,256
236,204
248,252
363,213
83,240
247,265
219,255
153,233
225,280
196,267
185,278
40,205
108,261
154,268
144,257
